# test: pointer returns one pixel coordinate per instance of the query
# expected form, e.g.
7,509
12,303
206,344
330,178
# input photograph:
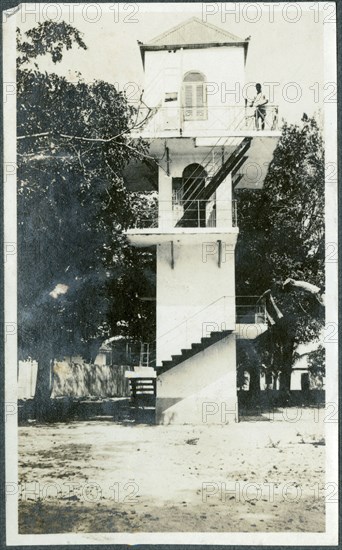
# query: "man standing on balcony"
259,102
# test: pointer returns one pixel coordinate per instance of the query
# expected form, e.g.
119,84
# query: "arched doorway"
193,181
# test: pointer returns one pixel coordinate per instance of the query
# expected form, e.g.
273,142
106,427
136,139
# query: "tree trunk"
254,382
283,348
286,370
275,380
42,398
285,381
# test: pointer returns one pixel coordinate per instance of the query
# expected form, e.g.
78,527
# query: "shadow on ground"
123,410
119,410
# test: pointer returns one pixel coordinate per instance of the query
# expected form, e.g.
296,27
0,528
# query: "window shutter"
194,101
188,102
200,101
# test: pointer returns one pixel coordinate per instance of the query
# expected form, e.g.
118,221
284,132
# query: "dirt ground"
102,476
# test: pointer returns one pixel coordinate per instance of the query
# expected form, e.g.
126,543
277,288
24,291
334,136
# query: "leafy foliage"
48,37
75,265
282,235
316,361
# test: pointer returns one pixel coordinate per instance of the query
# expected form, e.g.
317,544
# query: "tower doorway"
193,182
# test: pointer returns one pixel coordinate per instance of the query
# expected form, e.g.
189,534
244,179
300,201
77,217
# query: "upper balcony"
190,213
168,120
186,220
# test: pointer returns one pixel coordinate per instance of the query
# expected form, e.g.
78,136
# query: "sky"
286,46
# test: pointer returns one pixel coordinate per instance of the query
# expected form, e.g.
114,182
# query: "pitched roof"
194,31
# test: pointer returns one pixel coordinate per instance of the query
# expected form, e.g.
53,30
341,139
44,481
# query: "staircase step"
186,353
190,353
197,347
161,370
221,333
176,359
166,364
215,336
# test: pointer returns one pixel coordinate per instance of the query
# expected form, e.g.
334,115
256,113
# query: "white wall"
223,67
224,203
202,389
224,71
193,290
188,292
196,289
27,379
296,379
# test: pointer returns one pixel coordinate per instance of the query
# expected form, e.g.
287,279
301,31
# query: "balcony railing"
249,310
220,118
190,213
217,316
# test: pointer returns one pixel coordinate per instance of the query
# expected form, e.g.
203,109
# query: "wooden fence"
88,380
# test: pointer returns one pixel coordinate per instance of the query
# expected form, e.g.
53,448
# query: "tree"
316,361
73,144
281,237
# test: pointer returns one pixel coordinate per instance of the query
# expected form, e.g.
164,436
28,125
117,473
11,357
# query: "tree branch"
81,138
306,287
42,134
144,155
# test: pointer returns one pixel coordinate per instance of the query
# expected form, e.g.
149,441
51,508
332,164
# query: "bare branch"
143,155
42,134
135,126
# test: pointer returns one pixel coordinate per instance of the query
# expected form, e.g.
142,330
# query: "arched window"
194,96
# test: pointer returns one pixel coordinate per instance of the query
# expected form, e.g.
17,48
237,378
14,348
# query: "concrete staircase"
195,348
224,169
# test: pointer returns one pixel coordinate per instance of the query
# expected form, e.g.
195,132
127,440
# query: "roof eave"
173,47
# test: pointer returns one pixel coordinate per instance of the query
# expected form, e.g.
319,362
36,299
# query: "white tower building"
200,131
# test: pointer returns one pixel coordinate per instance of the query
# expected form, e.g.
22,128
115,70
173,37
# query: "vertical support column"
224,203
165,200
219,253
172,256
180,98
167,151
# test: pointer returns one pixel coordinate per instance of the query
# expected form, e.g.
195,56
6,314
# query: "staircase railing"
211,163
215,317
249,310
